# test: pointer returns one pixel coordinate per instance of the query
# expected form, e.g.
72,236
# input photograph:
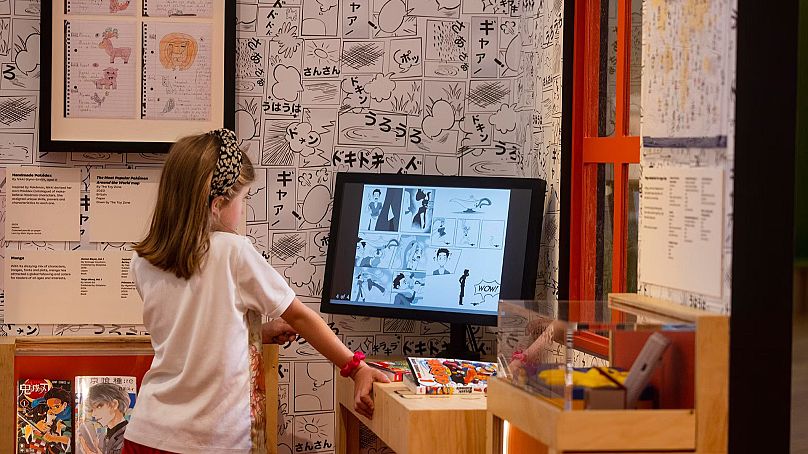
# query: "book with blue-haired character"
103,407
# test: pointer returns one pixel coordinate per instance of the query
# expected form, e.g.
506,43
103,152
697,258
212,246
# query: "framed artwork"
135,75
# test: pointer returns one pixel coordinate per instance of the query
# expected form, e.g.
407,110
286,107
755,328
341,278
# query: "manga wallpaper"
439,87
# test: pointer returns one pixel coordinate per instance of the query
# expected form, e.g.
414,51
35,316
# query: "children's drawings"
177,8
100,79
177,71
102,7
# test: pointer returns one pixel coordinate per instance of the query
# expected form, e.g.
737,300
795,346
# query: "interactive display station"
434,248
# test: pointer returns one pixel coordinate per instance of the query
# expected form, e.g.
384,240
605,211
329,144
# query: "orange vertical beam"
588,235
623,66
620,238
620,231
579,113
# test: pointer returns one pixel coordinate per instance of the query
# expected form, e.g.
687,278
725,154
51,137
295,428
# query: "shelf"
592,430
64,357
70,346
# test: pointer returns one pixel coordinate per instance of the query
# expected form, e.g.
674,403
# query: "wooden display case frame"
702,429
15,350
409,423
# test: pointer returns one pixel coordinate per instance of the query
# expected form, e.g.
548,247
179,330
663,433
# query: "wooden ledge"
82,345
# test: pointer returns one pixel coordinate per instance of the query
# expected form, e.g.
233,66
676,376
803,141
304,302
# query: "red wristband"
519,355
348,369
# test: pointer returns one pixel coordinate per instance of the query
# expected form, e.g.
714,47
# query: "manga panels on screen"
440,246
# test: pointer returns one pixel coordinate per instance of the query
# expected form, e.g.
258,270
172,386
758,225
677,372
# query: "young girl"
204,288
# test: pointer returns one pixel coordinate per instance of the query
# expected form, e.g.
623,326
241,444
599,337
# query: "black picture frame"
47,143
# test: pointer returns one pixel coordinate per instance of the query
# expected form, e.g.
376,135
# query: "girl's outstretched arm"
316,332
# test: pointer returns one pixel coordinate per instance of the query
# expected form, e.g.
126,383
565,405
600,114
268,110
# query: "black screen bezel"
534,185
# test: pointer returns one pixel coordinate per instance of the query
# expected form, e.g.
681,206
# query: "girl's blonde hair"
178,238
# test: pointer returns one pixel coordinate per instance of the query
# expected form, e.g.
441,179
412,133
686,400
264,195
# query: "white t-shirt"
195,398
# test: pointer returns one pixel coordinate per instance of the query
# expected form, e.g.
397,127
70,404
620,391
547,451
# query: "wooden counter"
409,423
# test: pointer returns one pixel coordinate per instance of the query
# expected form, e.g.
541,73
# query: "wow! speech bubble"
486,288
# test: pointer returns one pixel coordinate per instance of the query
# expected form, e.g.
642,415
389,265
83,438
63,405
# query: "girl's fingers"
362,408
368,401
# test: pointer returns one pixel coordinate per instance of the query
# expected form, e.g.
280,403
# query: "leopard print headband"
228,166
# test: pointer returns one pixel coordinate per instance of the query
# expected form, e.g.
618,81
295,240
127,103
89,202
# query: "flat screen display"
430,247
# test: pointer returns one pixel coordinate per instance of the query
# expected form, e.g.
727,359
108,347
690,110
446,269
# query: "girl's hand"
364,377
277,331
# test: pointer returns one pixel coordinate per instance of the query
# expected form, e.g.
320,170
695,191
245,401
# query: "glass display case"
636,374
588,356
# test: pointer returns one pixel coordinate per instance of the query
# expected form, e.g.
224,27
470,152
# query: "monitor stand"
456,349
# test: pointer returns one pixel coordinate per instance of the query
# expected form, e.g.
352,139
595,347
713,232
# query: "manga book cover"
449,376
44,423
103,407
394,370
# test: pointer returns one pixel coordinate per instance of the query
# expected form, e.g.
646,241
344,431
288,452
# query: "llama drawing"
115,6
109,80
112,51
